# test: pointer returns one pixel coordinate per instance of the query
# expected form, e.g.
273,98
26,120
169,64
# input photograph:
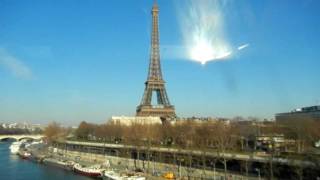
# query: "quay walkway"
249,157
154,170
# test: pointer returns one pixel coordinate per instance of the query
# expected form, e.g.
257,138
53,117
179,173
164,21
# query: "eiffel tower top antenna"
155,6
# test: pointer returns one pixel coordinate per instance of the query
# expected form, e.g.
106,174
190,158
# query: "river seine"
15,168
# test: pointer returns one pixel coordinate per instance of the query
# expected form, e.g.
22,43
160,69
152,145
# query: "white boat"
111,175
34,146
92,171
135,178
58,163
24,154
15,147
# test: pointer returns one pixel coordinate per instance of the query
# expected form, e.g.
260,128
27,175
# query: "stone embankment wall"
149,167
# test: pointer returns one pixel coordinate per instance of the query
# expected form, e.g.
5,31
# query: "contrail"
14,65
243,46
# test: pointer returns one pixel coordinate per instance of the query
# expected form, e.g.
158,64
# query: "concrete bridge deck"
21,136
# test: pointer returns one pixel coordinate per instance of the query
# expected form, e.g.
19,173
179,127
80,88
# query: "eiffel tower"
155,82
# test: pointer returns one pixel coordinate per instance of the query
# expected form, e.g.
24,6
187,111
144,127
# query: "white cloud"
14,65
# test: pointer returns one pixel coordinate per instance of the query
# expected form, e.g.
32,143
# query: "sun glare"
203,52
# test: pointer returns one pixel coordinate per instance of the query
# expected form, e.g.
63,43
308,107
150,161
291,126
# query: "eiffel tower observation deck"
155,83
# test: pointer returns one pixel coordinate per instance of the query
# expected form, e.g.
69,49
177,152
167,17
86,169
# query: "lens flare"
202,24
202,28
203,51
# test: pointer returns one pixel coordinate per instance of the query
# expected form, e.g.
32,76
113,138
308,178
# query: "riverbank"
12,167
150,169
90,159
50,156
153,170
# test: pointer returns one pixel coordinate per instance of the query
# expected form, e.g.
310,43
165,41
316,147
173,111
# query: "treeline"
185,134
14,131
218,136
231,135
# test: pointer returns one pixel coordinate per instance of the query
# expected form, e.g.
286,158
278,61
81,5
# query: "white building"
126,120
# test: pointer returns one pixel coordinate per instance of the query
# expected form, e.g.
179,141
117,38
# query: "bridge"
19,137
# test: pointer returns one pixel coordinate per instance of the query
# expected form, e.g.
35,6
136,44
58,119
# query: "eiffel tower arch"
155,83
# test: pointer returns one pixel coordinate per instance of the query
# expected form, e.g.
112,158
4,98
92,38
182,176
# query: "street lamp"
151,157
213,164
258,170
180,160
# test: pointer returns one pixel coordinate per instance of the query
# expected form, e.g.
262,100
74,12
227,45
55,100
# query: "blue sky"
75,60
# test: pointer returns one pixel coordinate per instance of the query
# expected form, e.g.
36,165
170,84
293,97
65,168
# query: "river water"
14,168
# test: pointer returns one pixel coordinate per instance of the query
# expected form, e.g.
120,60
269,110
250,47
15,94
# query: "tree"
134,135
224,140
85,130
183,134
116,131
166,133
246,134
203,135
101,132
303,130
53,131
151,137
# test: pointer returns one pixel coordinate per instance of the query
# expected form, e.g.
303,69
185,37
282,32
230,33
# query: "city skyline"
68,61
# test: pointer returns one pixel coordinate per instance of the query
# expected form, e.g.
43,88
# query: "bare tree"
203,134
54,131
85,130
224,140
134,135
151,137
